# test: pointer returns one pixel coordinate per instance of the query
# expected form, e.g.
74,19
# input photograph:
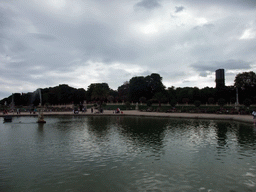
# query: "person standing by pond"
254,115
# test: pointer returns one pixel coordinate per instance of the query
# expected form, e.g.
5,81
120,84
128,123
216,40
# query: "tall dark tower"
220,78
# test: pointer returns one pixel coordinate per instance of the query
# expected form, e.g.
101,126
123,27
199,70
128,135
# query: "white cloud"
248,34
46,43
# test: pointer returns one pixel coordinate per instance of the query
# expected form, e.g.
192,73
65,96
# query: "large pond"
126,154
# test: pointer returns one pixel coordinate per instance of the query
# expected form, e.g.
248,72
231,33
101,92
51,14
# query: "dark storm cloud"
179,9
212,66
149,4
203,74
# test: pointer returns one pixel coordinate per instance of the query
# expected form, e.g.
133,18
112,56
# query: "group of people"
76,110
33,111
12,111
118,111
100,110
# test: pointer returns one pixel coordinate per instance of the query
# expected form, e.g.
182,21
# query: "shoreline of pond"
240,118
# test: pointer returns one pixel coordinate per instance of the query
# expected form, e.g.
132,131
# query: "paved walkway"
241,118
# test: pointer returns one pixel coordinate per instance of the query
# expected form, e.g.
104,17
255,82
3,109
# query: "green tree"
197,103
79,96
207,93
211,100
154,84
247,102
62,94
143,99
160,97
99,92
17,99
173,102
171,94
123,91
221,102
145,86
110,98
232,100
185,100
184,95
138,88
149,103
195,94
246,84
127,105
114,94
245,79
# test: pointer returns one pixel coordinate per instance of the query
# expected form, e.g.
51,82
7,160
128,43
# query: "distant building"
220,78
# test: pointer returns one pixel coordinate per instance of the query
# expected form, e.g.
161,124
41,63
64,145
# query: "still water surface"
126,154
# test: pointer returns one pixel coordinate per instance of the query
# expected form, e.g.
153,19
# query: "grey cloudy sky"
44,43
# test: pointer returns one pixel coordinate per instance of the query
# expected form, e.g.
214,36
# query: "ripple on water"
250,183
177,156
248,174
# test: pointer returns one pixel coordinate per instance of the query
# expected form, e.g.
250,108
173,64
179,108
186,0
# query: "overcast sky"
44,43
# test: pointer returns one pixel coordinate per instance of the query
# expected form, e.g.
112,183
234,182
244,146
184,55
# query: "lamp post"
237,102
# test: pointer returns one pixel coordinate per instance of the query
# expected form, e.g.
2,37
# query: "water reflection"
221,133
246,136
40,127
145,131
40,132
127,154
99,126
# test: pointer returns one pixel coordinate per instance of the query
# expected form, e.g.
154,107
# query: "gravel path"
241,118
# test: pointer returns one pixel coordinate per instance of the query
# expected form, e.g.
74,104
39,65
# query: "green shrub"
149,103
173,102
128,105
197,103
221,102
247,102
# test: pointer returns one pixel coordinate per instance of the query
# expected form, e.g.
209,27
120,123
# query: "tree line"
143,89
